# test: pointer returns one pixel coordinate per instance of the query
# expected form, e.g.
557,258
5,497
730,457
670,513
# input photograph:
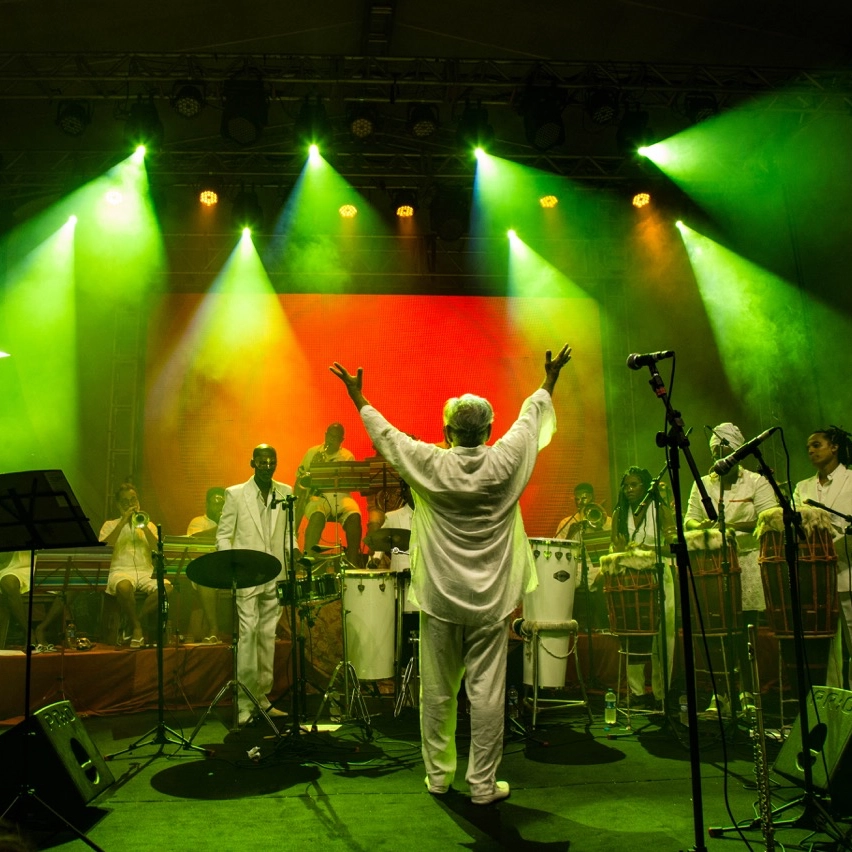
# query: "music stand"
233,569
38,511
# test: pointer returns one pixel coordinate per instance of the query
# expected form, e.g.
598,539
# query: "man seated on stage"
325,506
204,621
131,569
14,584
584,496
253,518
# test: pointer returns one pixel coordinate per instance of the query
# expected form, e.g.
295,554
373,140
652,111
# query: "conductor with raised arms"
470,564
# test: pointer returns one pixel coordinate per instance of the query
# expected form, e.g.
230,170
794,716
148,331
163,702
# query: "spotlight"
208,197
473,130
348,211
548,201
405,203
602,105
313,126
363,121
542,110
143,125
641,199
245,110
699,106
512,234
633,132
188,98
449,213
114,197
422,120
73,117
246,211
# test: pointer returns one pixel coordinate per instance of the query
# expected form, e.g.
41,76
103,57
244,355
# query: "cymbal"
219,569
388,538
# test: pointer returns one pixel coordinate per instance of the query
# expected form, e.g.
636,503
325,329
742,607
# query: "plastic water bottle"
684,711
513,707
71,635
610,715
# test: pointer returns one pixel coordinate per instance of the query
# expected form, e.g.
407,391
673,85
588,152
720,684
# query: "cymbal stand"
584,584
353,697
161,734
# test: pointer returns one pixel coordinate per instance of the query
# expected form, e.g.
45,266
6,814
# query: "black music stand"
38,511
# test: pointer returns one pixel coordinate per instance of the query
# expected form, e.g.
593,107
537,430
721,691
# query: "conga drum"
632,592
817,574
557,562
718,597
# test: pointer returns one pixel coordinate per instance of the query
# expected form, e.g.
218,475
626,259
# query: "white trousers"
843,636
258,612
449,652
636,672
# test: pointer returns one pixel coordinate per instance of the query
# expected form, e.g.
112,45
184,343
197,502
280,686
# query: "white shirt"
836,494
749,495
342,455
132,549
470,556
399,519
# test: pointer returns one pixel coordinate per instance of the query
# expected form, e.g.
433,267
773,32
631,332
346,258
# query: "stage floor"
574,787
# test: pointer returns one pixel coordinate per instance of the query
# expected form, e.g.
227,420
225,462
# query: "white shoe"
719,704
275,713
501,791
435,791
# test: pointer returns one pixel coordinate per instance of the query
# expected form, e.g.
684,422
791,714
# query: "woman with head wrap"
745,496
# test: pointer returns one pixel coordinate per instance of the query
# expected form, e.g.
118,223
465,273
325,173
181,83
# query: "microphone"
636,362
276,500
724,465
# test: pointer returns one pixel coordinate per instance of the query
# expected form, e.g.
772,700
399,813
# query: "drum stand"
584,582
412,674
353,698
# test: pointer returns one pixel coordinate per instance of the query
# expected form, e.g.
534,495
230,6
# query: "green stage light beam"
40,388
530,275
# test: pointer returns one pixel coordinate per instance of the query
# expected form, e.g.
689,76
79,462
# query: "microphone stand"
660,568
814,816
677,441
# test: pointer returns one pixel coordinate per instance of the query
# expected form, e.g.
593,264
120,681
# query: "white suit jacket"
240,525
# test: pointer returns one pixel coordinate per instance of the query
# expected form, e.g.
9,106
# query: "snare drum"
319,589
817,571
368,606
720,605
557,562
632,592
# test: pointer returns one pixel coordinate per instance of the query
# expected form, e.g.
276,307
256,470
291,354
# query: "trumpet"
140,519
594,515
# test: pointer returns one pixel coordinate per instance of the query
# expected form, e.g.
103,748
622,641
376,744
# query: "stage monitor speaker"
829,746
63,766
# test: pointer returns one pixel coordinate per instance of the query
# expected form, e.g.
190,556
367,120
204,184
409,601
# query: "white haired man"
470,564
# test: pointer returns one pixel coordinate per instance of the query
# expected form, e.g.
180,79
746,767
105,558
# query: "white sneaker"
501,791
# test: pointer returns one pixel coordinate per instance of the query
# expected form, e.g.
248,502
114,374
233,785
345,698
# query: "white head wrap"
730,433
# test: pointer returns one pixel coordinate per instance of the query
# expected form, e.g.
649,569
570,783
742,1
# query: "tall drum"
719,596
632,592
817,573
368,607
557,563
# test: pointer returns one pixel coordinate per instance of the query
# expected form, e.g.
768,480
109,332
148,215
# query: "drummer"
830,452
634,525
203,527
744,495
322,507
584,496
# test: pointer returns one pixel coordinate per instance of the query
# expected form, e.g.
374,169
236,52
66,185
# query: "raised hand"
552,367
354,384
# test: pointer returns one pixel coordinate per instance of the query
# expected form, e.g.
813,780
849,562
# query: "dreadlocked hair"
841,439
623,506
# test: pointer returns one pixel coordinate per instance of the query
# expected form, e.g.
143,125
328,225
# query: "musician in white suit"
830,451
254,519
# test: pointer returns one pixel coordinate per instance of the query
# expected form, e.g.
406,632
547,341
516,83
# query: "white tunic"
470,556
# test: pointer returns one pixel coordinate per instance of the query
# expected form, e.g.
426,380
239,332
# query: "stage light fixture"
363,121
512,234
188,99
449,213
699,106
143,125
473,129
641,199
73,117
246,210
548,201
348,211
313,126
602,105
405,203
245,110
208,197
633,132
422,120
542,111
